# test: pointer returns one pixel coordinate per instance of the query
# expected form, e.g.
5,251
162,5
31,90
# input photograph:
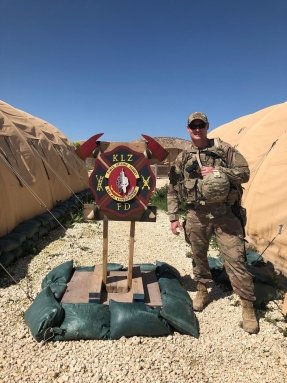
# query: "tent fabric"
262,138
36,159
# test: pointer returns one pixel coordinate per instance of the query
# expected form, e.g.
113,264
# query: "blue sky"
126,67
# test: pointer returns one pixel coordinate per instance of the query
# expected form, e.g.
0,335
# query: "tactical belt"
205,205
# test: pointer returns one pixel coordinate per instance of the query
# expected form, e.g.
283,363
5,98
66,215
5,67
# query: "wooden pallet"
88,287
100,286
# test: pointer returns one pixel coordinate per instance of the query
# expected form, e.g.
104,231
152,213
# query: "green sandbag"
114,266
84,321
179,315
265,293
44,313
58,289
7,258
215,262
174,288
110,267
7,245
252,257
19,238
61,274
146,266
263,272
45,219
167,271
136,319
30,228
177,307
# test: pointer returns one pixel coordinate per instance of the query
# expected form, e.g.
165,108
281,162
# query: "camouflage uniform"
204,218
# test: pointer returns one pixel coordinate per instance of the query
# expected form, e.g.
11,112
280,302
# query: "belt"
204,206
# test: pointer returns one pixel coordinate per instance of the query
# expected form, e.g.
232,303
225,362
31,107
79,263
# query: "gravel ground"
223,352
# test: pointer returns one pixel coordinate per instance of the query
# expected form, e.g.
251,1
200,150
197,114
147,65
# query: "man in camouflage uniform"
207,177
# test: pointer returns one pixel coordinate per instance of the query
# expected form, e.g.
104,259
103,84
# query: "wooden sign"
122,182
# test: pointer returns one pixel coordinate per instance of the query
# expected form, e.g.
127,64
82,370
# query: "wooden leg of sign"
105,248
131,254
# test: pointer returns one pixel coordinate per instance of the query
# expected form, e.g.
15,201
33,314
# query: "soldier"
208,178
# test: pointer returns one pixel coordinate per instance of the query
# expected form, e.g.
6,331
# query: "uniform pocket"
190,186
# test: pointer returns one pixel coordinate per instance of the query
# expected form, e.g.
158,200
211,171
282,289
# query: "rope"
41,202
280,230
56,174
14,280
50,332
260,163
38,199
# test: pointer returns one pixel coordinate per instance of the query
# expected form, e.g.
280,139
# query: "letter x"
145,182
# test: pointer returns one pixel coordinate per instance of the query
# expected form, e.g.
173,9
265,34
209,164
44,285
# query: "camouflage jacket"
185,176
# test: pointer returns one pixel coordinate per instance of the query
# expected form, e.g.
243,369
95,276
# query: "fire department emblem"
122,182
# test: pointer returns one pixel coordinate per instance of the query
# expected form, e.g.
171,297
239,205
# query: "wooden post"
131,254
105,248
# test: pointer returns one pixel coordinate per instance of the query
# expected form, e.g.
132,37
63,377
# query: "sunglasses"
197,125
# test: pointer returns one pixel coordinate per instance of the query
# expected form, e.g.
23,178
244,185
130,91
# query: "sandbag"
7,258
179,315
252,257
60,274
29,246
84,321
136,319
263,272
177,307
58,289
110,267
7,245
167,271
43,230
174,288
19,238
215,262
265,293
45,219
146,267
30,228
114,266
44,313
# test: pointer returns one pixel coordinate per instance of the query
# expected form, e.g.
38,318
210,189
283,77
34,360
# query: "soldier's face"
197,129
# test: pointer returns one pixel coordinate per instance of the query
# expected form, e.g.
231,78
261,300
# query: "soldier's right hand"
175,227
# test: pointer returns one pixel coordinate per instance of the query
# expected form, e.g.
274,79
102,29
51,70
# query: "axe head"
87,148
157,151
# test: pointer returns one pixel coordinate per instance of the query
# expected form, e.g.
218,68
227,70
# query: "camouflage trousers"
201,223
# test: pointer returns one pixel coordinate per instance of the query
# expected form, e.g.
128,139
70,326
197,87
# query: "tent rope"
56,174
38,199
41,202
16,283
280,231
260,163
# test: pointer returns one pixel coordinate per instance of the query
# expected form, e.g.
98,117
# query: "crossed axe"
154,149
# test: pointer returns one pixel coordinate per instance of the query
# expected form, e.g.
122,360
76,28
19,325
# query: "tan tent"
262,138
38,167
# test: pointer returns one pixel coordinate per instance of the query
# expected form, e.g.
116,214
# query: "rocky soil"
223,352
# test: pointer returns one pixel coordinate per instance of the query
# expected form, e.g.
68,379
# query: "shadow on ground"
19,269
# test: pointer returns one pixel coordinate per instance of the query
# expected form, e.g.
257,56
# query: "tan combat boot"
250,322
201,298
